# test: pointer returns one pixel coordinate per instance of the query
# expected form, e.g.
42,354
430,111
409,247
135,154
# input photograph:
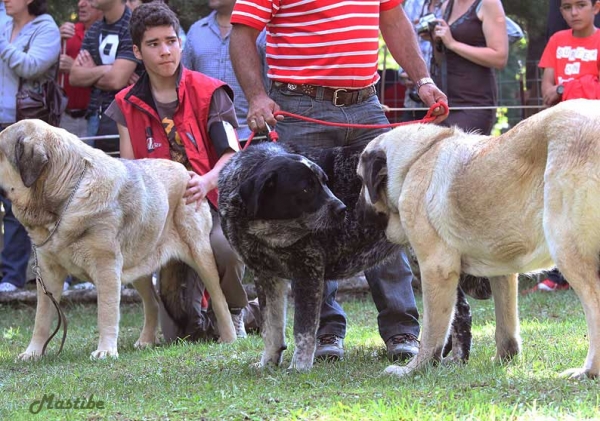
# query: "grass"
211,381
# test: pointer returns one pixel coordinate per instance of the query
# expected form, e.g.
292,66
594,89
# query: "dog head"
31,153
23,158
373,172
289,187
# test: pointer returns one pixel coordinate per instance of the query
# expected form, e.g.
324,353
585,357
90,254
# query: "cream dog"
494,207
108,220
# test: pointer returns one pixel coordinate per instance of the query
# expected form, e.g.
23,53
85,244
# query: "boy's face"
160,51
579,14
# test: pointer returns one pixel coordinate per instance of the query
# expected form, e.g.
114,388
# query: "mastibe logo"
52,402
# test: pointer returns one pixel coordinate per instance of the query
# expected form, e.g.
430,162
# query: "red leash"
429,117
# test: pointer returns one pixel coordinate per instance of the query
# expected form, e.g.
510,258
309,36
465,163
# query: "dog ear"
253,191
376,173
30,158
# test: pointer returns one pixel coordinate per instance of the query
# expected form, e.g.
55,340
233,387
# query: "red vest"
194,91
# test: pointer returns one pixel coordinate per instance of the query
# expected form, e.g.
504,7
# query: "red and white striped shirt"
320,42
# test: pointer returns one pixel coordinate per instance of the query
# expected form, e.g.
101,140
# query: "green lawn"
215,382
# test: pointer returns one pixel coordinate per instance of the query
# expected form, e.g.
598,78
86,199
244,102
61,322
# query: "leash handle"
429,117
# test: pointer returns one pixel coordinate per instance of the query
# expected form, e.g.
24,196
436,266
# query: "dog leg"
53,276
148,336
582,275
108,287
439,278
460,338
210,277
508,339
307,306
273,308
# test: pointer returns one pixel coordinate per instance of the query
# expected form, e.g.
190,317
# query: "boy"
185,116
570,59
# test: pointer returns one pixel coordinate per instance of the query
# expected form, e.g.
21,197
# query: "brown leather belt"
76,113
339,97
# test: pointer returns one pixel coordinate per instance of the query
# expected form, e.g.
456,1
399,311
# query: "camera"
426,24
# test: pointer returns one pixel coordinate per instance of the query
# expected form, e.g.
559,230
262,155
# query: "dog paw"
273,360
398,371
29,356
145,343
227,339
103,354
300,367
578,374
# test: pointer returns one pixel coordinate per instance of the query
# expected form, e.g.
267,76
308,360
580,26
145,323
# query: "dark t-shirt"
107,43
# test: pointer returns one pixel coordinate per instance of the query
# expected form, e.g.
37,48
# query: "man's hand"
65,63
261,110
84,59
67,30
133,78
197,189
431,94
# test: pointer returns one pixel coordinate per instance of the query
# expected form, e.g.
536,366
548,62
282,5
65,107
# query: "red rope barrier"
429,117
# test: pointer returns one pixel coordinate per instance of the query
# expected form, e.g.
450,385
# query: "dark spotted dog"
295,217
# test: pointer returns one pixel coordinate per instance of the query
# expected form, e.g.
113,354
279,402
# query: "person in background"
469,43
71,34
107,63
30,24
415,10
190,119
208,53
132,4
570,75
315,71
556,22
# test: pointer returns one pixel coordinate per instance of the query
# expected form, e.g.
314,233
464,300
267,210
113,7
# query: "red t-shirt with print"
571,57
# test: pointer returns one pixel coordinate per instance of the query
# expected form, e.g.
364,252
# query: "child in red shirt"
570,59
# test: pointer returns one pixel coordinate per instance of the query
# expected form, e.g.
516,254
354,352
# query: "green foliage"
188,11
212,381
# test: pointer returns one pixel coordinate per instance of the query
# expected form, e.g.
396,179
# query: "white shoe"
8,287
238,323
84,285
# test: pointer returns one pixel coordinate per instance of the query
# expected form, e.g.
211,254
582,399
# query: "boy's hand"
197,189
552,97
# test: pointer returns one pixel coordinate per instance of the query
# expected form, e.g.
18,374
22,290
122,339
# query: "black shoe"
402,347
329,347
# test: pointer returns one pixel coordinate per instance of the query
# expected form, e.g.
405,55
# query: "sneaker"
402,347
329,347
8,287
238,322
547,286
84,285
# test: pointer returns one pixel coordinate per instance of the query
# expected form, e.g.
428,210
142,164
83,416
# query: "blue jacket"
34,66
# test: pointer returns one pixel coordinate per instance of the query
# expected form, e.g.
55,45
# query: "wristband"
424,81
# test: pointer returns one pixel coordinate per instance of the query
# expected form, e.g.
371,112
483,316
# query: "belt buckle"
335,97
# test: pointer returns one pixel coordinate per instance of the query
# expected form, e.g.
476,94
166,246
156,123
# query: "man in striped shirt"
322,59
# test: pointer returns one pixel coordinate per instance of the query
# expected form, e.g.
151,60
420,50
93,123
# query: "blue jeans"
92,127
17,248
390,283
